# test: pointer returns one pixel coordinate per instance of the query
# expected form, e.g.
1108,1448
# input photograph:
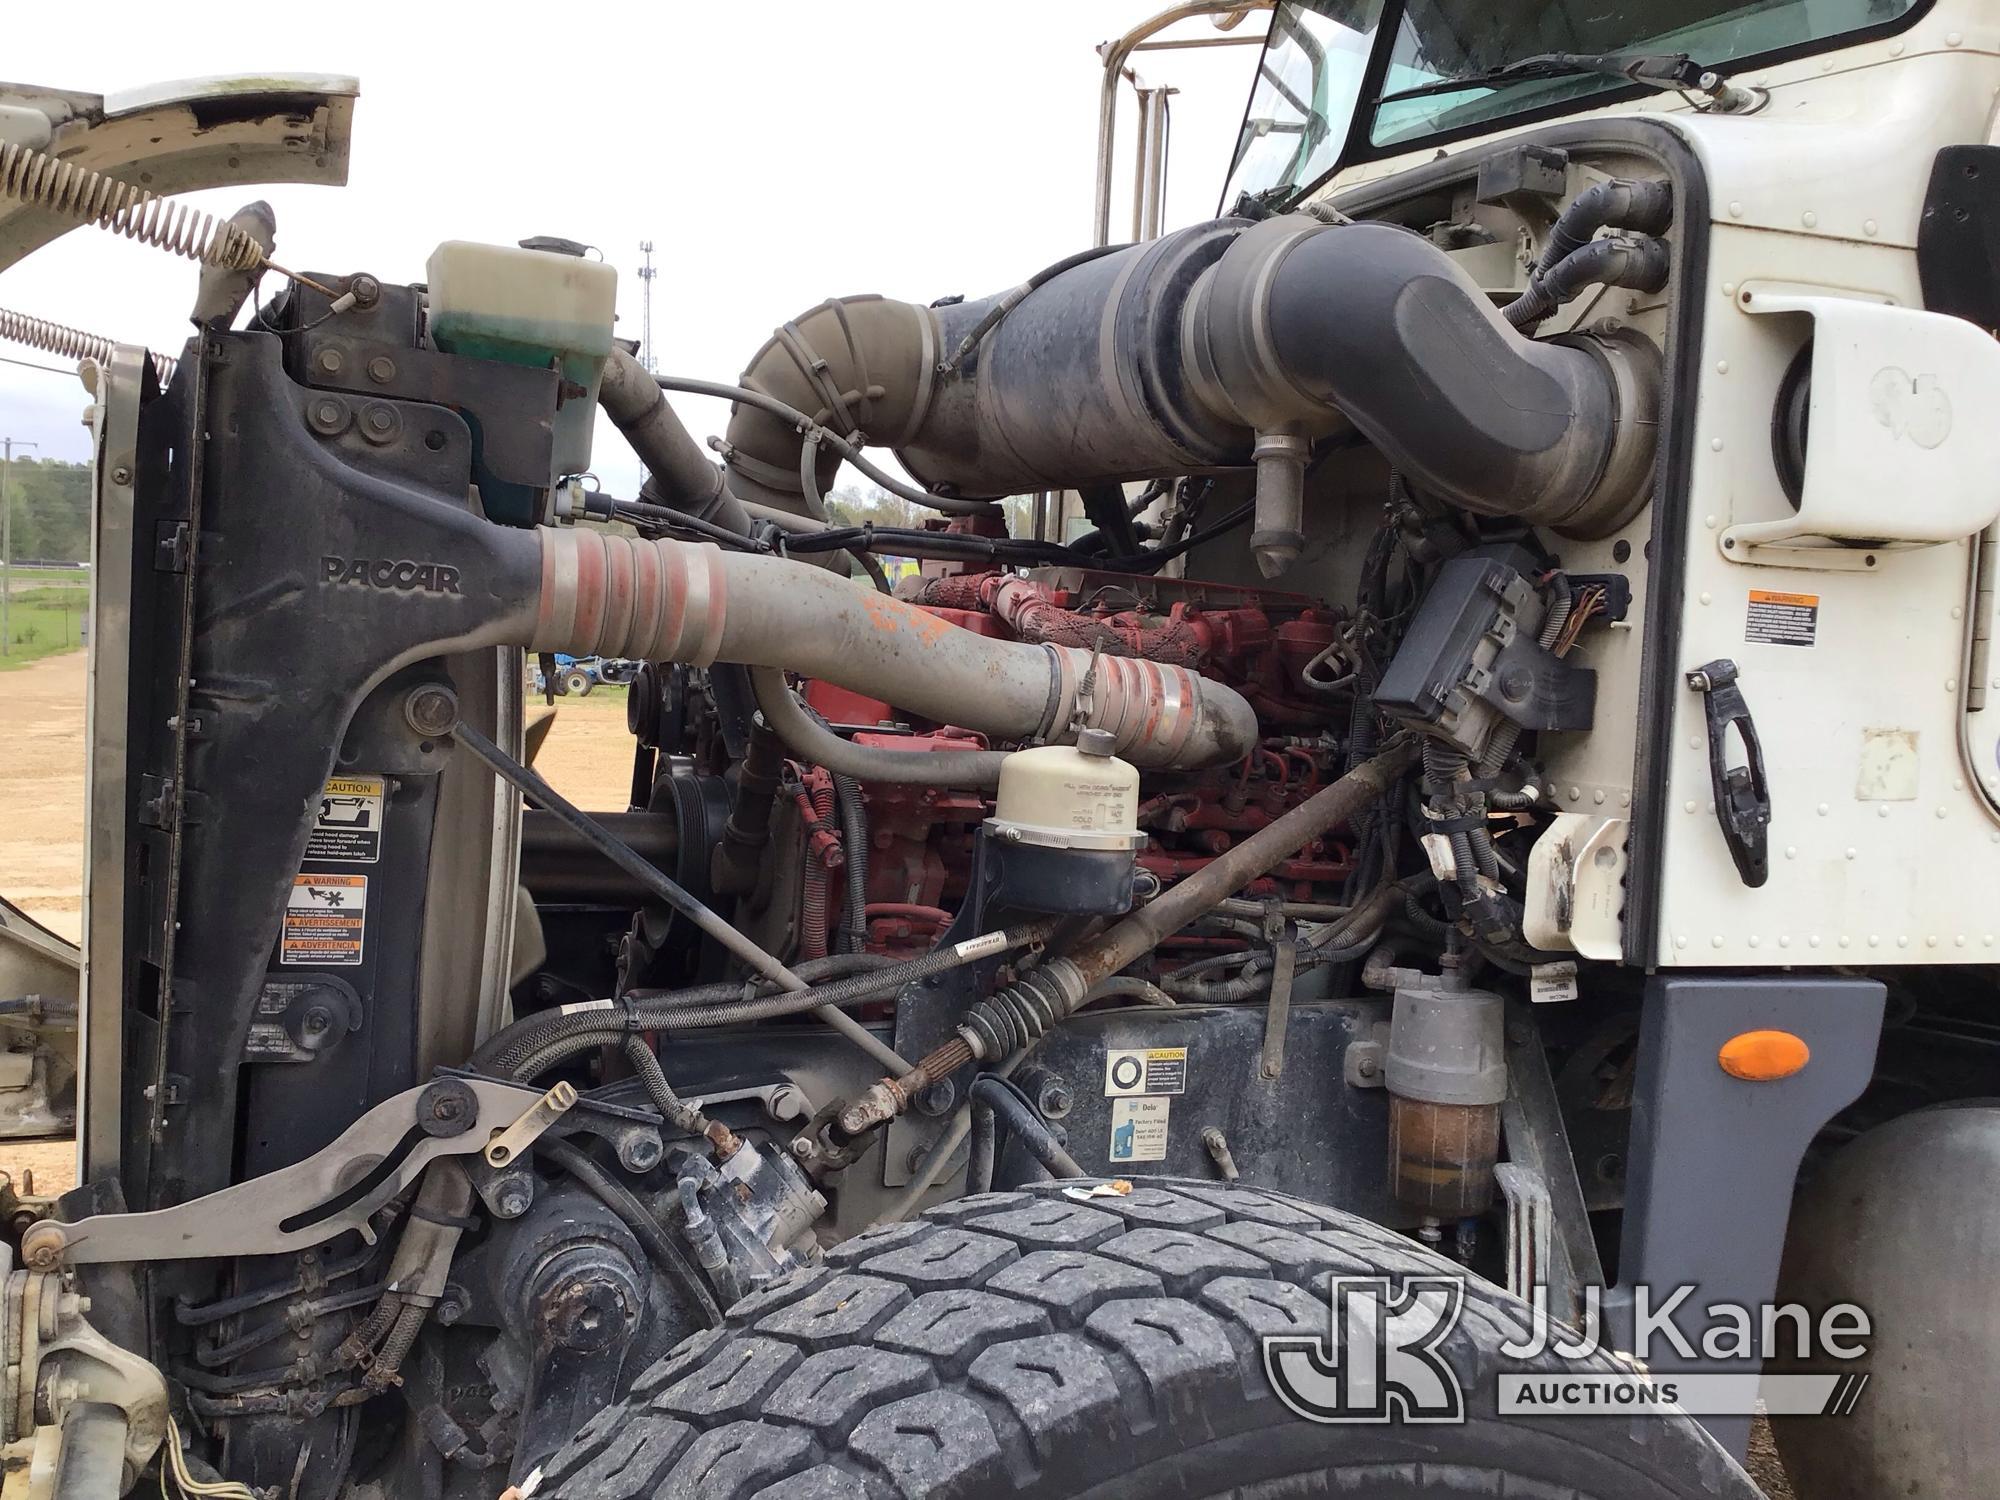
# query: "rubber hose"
813,742
980,1151
488,1058
1006,1102
854,844
1634,261
673,1109
528,1057
1644,205
679,474
652,879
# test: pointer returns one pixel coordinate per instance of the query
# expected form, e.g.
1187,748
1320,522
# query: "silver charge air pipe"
665,600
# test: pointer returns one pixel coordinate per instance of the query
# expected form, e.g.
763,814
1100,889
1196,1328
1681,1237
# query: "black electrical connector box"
1525,171
1470,659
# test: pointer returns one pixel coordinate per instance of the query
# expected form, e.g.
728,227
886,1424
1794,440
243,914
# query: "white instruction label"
326,920
1145,1070
1551,983
348,826
1139,1129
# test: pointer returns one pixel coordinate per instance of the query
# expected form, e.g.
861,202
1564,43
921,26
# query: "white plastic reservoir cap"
1069,796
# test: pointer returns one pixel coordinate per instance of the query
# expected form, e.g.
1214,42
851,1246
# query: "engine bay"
1216,842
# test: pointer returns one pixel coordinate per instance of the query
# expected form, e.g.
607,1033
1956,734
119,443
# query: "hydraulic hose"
533,1046
808,428
552,1025
673,1109
1008,301
1023,1012
666,600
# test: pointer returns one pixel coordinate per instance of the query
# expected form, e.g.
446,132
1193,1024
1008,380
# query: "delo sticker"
1139,1128
1145,1070
326,921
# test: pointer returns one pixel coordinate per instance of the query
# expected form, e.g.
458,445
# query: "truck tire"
1029,1343
577,683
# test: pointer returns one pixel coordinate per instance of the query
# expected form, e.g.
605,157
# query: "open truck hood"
178,137
170,138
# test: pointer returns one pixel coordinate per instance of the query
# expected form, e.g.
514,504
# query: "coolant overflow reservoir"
529,307
1064,832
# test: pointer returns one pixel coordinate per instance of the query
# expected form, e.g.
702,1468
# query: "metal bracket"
1742,793
332,1191
1284,937
524,1132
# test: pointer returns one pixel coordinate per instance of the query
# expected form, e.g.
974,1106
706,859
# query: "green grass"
43,622
61,577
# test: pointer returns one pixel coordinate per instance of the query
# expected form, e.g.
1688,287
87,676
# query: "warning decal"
326,920
1782,619
1139,1129
1145,1070
348,827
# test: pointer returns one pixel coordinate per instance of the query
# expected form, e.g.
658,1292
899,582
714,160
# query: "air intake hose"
682,601
1218,346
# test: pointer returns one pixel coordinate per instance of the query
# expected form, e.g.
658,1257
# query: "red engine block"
1260,641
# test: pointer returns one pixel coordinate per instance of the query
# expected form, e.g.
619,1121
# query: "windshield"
1307,109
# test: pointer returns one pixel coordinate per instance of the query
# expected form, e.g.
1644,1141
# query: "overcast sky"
775,153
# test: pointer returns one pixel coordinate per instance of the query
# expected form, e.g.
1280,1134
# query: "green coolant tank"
529,307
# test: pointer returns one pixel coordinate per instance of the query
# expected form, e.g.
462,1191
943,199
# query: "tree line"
50,505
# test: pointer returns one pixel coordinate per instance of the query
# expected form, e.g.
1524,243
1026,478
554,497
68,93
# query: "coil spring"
89,197
67,343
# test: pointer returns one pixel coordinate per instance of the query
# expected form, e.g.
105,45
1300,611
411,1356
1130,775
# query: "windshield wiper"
1671,72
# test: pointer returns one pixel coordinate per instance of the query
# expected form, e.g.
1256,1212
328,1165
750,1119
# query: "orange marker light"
1761,1056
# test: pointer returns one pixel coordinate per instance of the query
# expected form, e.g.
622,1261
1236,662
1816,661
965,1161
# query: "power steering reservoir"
1065,827
530,307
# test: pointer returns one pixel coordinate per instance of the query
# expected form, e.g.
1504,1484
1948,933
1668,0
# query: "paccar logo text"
385,573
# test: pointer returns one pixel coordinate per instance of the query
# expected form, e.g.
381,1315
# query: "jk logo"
1378,1361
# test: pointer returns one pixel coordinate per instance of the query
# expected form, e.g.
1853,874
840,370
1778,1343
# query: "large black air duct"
1223,345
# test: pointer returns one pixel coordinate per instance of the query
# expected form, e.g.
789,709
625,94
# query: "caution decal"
347,829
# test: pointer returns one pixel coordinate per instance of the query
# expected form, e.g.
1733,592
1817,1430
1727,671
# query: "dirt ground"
588,754
41,791
587,757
